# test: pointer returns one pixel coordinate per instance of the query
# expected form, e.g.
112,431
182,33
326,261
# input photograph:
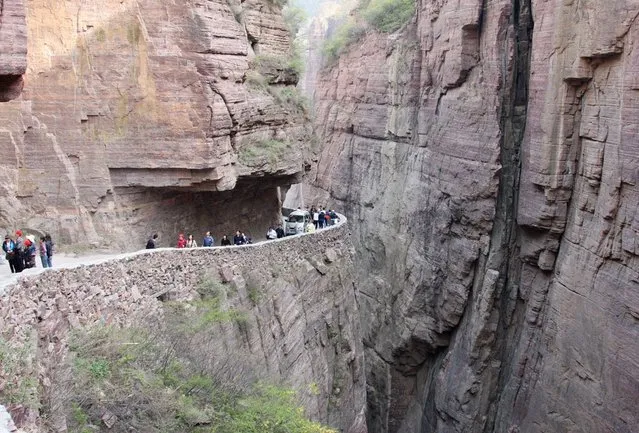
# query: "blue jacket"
208,241
8,248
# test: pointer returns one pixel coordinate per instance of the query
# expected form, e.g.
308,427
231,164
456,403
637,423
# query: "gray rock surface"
494,298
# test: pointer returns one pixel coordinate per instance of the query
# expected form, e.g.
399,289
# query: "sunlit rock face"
488,157
144,108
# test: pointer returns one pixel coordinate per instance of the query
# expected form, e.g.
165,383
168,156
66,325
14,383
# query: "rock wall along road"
303,328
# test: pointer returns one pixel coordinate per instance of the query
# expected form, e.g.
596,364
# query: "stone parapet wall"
302,329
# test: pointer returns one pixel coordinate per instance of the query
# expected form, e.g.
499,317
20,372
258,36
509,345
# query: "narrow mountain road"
69,261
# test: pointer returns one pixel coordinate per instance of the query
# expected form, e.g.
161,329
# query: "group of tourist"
189,241
22,251
322,217
275,232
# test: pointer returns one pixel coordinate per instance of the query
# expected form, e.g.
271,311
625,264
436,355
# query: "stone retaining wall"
303,327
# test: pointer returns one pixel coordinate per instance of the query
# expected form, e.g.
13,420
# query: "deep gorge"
486,155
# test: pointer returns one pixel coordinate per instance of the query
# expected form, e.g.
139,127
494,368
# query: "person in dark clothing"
8,246
226,241
152,243
333,216
280,231
19,251
246,240
30,252
208,240
50,246
238,239
321,218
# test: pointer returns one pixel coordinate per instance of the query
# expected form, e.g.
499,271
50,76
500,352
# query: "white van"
296,222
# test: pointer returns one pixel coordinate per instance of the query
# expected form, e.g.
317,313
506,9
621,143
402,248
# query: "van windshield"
296,219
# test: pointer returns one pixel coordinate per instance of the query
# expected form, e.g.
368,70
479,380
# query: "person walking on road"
315,214
8,246
19,251
42,249
225,241
181,242
50,250
321,218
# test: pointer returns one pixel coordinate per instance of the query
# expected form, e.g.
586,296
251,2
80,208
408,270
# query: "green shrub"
148,392
383,15
273,66
209,288
254,294
18,378
266,151
389,15
269,409
345,35
294,17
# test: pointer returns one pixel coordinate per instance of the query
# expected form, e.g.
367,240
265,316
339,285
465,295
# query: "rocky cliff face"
13,48
487,157
300,321
141,116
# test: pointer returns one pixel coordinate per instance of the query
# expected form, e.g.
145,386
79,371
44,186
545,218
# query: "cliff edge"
487,154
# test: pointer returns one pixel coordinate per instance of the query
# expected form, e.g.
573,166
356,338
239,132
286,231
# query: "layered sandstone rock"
13,48
493,299
138,107
297,296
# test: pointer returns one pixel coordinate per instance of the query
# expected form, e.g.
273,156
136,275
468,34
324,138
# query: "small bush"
383,15
148,392
266,151
254,294
18,378
345,35
294,17
389,15
209,288
269,409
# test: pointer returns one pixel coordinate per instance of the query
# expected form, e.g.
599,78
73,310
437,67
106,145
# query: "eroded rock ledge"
302,329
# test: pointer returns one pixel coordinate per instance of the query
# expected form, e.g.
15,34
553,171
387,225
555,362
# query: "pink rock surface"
13,48
496,298
131,105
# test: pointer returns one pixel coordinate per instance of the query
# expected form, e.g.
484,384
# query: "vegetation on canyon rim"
385,16
165,375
